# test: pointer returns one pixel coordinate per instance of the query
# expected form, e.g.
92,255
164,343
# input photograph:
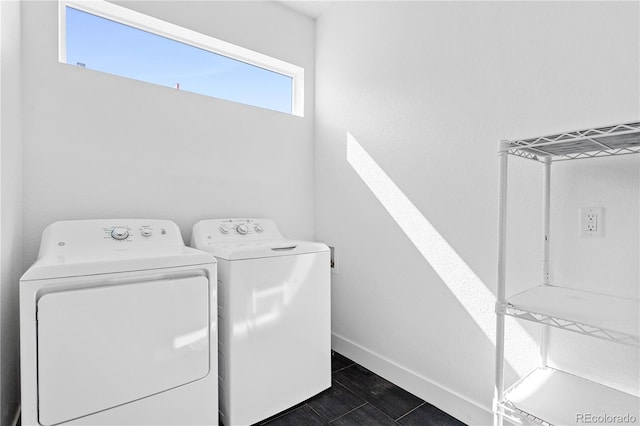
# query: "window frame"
180,34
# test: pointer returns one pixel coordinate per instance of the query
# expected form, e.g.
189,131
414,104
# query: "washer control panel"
236,230
240,226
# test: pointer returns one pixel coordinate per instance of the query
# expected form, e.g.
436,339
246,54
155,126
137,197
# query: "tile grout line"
411,411
348,412
349,389
340,369
318,414
385,414
338,381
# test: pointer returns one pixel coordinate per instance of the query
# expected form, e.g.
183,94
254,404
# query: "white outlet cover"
584,222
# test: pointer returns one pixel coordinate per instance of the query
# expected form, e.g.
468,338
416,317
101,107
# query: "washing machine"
274,335
118,326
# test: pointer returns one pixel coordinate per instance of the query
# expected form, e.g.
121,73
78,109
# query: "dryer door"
105,346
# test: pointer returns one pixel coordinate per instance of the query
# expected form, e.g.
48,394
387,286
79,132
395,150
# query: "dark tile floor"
359,397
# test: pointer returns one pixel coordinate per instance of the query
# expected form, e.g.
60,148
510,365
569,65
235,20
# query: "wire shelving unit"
548,396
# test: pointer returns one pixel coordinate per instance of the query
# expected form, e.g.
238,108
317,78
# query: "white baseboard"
462,408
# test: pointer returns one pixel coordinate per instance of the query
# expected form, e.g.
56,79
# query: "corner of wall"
468,411
10,207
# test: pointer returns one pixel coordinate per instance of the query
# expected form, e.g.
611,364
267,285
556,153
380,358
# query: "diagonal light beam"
465,285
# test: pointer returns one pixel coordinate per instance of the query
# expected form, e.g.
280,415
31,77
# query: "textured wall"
426,90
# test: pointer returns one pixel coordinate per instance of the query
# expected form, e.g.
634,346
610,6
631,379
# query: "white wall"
428,89
10,207
98,145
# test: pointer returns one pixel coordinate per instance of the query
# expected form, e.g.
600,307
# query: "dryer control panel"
132,230
78,237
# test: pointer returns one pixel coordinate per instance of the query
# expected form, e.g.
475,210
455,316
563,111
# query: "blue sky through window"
107,46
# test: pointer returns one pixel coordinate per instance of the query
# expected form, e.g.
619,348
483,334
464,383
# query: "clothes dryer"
118,326
274,315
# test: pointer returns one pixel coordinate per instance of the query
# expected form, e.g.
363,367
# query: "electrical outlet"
334,264
591,222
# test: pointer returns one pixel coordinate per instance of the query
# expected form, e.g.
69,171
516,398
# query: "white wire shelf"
552,397
597,315
590,143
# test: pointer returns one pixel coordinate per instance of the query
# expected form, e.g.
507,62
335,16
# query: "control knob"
119,233
258,228
242,229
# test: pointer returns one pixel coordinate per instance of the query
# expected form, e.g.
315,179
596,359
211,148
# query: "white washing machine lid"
261,249
87,247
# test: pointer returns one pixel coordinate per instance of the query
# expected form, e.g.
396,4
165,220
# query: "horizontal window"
109,38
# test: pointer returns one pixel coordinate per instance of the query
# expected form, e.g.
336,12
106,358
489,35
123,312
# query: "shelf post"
546,221
500,291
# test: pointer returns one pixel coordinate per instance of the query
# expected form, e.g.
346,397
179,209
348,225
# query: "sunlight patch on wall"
465,285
